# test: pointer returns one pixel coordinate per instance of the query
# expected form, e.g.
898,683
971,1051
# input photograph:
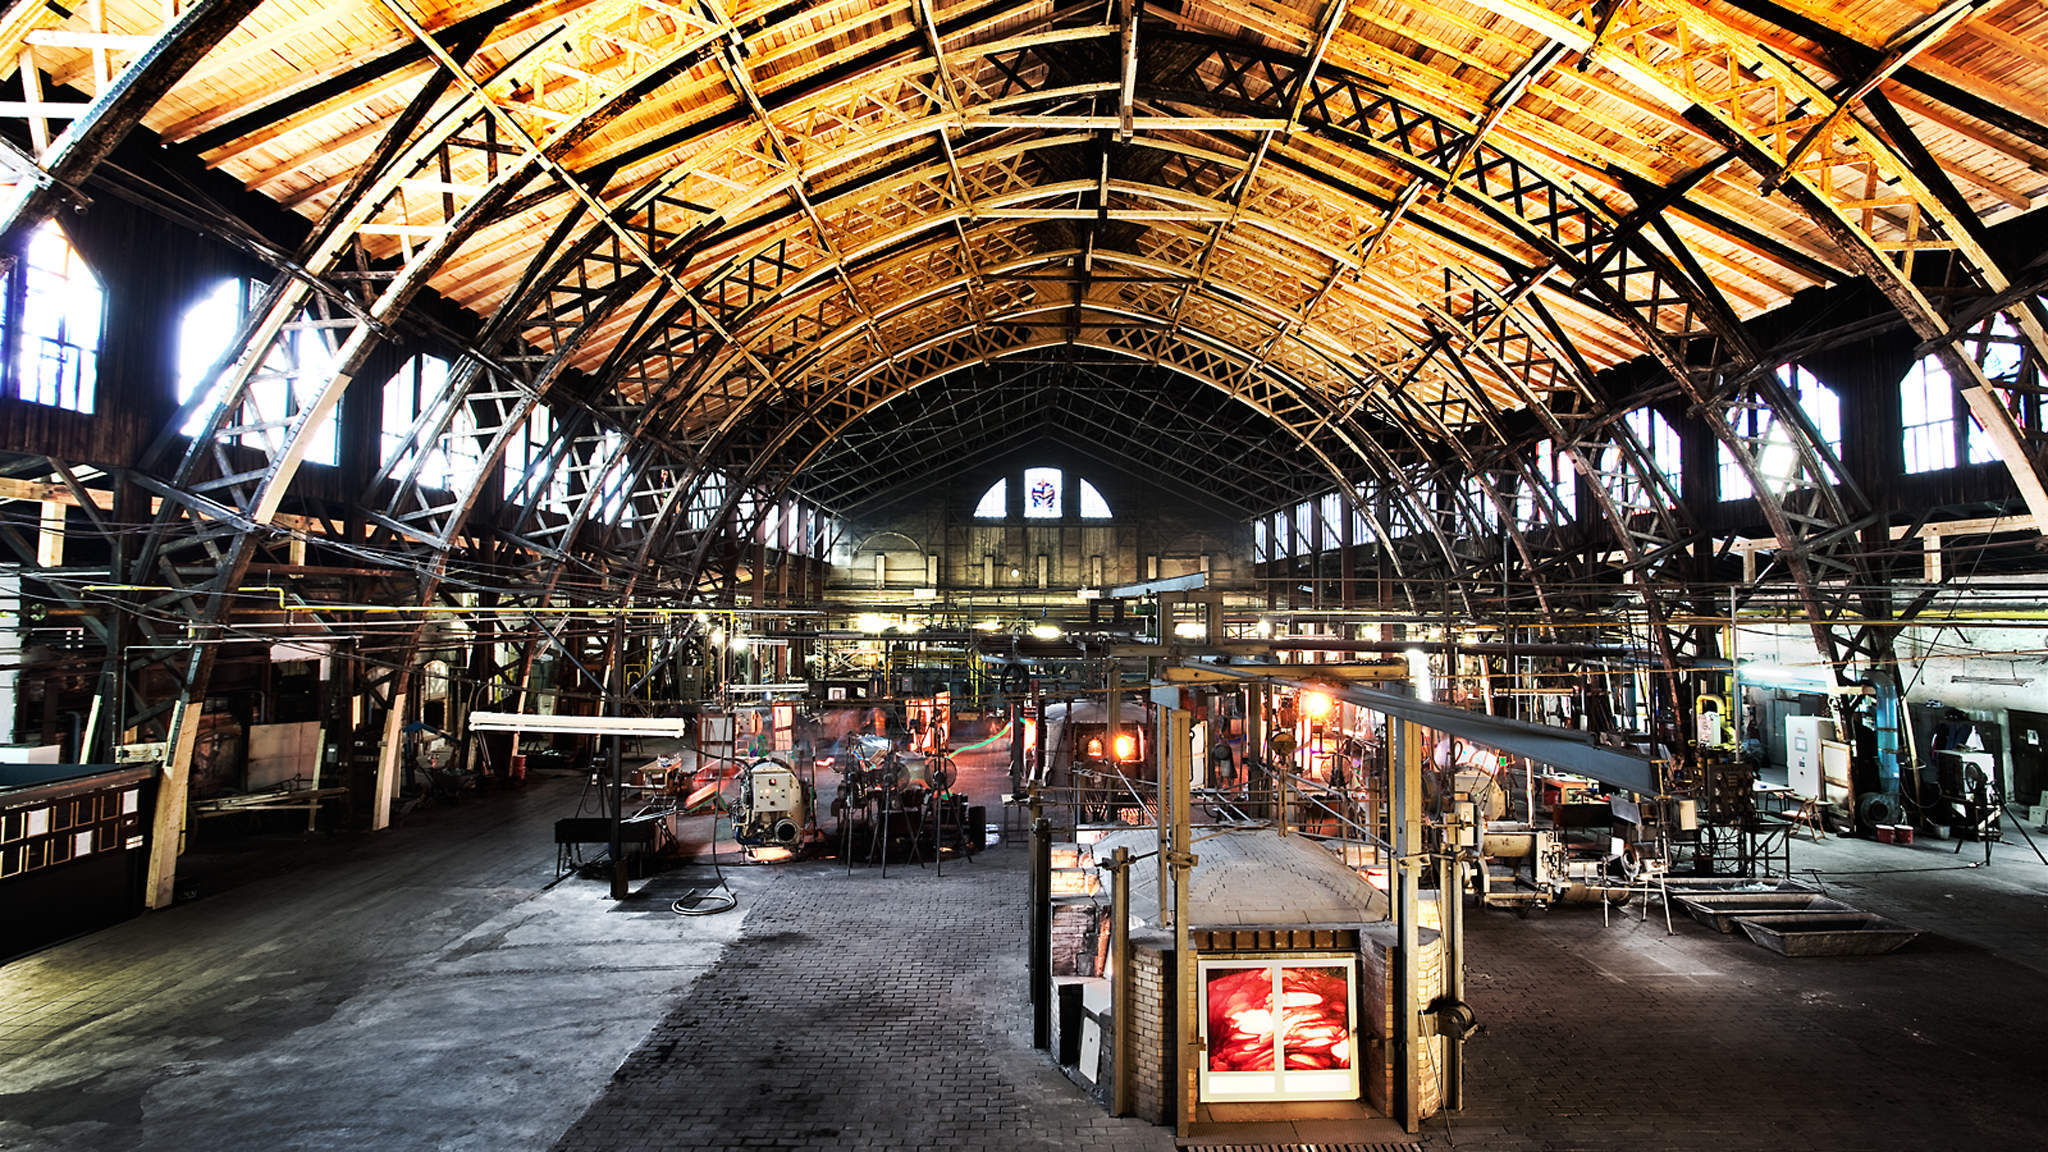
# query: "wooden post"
1407,821
618,705
1121,1014
167,831
1041,932
1179,772
1451,901
387,760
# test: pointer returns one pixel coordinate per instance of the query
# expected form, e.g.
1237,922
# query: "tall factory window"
1927,417
420,389
1995,345
704,503
1361,525
528,479
614,471
1659,443
1423,512
1772,438
54,312
1333,521
1487,516
298,363
1262,547
1552,470
995,503
203,335
1042,494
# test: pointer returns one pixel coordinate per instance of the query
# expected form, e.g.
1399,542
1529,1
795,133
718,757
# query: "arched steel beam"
1803,141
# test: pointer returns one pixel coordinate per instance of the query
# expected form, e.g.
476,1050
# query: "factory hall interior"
1023,575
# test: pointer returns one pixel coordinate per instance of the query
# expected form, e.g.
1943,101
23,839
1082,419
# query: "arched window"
54,312
1775,456
1045,494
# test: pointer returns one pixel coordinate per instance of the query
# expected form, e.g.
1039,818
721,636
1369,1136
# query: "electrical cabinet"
1817,764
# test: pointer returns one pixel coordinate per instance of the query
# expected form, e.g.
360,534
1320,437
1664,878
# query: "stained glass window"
1042,494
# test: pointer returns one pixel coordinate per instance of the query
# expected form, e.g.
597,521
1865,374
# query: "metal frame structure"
732,255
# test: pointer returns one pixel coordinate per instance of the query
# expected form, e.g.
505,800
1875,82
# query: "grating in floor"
1300,1147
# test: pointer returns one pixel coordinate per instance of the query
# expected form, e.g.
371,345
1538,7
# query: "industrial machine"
1521,867
1967,797
1594,852
773,807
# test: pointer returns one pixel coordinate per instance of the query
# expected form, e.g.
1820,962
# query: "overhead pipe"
1438,647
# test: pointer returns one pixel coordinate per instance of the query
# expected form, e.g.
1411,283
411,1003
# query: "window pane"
61,312
1093,506
1042,494
995,502
1927,417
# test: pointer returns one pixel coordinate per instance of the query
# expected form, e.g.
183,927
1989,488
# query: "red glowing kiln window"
1279,1029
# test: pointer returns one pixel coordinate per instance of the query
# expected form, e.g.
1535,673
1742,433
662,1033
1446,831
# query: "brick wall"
1376,1017
1151,1002
1154,1057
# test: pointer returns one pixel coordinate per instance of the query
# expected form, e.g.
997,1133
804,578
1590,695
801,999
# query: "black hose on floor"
703,902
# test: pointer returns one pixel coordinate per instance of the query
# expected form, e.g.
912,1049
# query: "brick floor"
423,989
1625,1038
860,1012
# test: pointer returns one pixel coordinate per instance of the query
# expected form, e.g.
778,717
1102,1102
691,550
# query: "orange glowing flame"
1126,746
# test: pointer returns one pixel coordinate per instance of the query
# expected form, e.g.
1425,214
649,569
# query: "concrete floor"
423,989
417,989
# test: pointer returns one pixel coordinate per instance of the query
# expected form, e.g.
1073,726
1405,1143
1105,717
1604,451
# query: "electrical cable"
1437,1071
701,902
